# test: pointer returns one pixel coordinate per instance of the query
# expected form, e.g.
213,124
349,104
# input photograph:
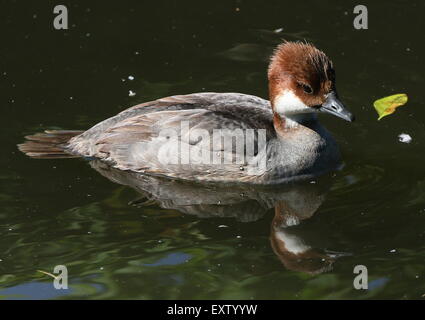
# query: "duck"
221,137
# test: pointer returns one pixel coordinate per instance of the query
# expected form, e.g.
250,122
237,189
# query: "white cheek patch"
288,103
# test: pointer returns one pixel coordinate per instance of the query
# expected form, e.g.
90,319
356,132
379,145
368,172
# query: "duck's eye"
307,88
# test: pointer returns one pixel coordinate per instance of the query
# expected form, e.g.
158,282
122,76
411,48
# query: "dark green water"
62,212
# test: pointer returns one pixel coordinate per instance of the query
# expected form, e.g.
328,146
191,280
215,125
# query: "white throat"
287,104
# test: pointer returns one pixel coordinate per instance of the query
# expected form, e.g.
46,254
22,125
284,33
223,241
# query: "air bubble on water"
130,78
131,93
393,250
223,226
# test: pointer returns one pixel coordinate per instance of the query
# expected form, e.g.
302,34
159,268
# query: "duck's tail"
48,145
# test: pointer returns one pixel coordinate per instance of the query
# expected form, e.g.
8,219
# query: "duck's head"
302,83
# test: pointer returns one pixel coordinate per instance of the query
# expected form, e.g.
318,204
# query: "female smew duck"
221,137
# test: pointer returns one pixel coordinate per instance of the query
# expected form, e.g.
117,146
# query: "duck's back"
238,105
140,138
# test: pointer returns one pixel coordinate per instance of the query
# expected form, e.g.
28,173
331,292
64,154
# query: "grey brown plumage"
48,145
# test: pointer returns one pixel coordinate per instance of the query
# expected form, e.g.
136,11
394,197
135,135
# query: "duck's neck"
285,123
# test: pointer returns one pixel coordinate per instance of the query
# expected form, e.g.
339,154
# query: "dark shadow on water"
291,203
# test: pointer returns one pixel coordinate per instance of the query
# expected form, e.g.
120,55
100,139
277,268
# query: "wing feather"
138,138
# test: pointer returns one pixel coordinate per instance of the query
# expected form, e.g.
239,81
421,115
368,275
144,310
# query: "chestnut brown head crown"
302,81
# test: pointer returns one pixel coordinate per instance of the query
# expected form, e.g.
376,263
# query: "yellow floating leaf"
386,106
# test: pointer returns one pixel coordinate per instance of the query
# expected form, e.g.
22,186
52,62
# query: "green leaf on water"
386,106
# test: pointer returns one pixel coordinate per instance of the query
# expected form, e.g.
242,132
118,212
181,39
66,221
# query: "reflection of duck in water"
292,204
291,248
